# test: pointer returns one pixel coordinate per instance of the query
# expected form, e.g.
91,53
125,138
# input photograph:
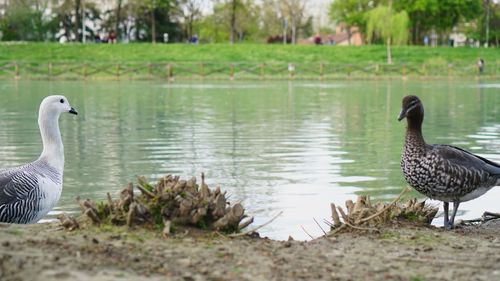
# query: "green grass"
257,53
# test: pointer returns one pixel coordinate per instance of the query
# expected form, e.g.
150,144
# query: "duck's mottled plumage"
442,172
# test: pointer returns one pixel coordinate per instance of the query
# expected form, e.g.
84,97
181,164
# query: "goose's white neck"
53,149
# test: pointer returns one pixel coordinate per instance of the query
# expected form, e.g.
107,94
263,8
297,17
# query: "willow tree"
392,27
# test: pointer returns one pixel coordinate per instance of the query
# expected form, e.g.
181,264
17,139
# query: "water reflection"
278,146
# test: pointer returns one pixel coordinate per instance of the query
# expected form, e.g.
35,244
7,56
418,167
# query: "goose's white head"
53,106
48,116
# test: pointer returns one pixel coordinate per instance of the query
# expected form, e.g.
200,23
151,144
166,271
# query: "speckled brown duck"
442,172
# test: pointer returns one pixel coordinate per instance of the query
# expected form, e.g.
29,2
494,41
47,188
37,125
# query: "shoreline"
48,252
227,79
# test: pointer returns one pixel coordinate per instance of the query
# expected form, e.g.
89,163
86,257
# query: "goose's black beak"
402,115
73,111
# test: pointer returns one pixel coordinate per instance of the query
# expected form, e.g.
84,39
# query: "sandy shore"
47,252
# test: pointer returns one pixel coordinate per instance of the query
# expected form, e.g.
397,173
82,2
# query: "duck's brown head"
412,109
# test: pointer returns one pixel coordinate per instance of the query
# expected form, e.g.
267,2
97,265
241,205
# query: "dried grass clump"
363,215
171,202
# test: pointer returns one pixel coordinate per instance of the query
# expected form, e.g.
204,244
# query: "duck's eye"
61,100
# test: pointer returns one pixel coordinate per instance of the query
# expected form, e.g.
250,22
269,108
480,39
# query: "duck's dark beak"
73,111
402,115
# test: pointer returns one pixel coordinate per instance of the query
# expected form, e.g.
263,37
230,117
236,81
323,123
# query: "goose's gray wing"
460,157
16,185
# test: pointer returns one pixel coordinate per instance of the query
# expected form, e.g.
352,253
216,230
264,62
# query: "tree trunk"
233,21
190,26
294,31
38,23
118,17
389,55
153,26
349,35
417,33
78,23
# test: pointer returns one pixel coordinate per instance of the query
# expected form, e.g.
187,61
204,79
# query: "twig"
331,225
337,230
324,232
490,215
350,206
362,228
471,222
245,223
487,216
110,202
256,228
405,190
221,235
306,232
342,213
335,215
145,191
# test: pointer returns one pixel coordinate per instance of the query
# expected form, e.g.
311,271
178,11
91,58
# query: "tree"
68,16
271,23
351,13
422,14
234,19
24,20
487,26
392,27
495,23
188,12
78,24
440,15
118,18
294,11
153,8
233,5
451,12
146,20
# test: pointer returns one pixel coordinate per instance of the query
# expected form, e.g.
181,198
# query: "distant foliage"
351,12
391,26
383,21
236,21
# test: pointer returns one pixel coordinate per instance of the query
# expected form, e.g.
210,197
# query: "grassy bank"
223,61
52,52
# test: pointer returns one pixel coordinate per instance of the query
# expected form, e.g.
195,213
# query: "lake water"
277,146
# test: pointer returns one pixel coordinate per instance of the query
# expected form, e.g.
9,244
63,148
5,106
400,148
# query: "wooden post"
16,70
231,72
424,70
150,70
377,69
404,69
450,66
85,66
349,69
321,70
50,70
118,71
170,74
291,70
262,70
202,70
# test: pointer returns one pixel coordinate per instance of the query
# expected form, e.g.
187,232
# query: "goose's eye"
61,100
